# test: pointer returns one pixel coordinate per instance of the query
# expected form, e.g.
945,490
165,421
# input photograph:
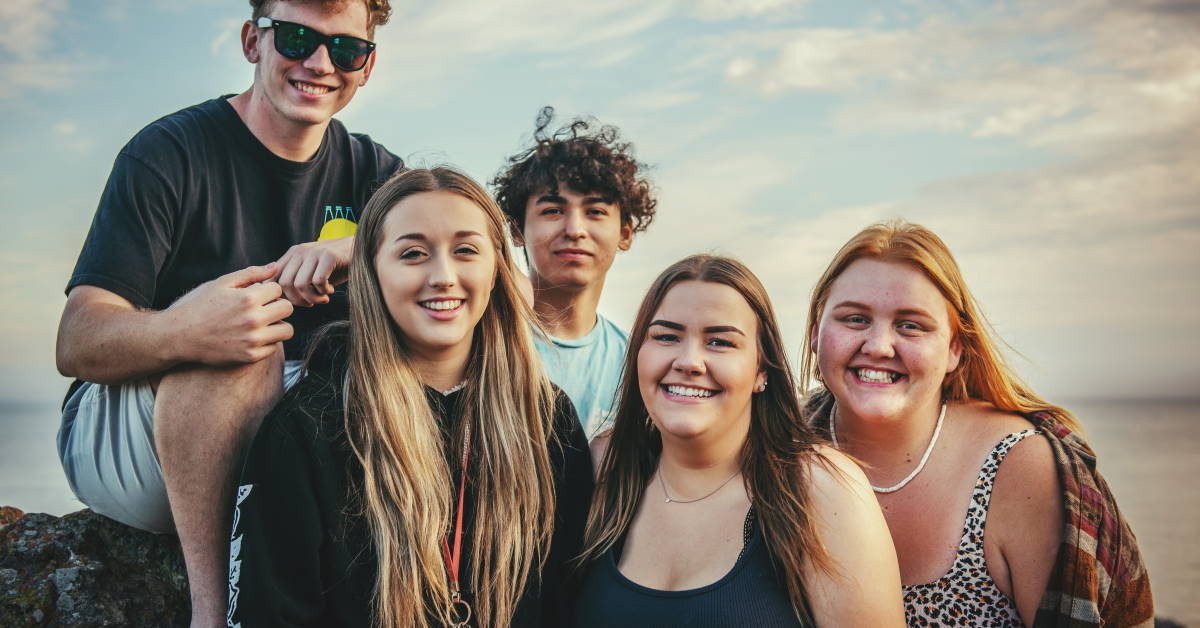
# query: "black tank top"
749,595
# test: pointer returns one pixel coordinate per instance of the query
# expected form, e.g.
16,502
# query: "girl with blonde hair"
916,389
424,472
715,504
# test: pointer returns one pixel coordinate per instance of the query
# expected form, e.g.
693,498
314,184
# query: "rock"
8,514
84,569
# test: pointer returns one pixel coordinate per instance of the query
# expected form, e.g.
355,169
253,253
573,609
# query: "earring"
761,387
650,424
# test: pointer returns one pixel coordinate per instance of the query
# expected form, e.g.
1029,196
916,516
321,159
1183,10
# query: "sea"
1148,452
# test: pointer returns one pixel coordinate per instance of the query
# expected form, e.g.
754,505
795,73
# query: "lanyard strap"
453,560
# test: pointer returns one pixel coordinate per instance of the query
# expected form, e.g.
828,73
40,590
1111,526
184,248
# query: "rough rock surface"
84,569
8,514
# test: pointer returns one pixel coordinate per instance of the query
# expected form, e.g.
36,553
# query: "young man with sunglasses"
213,254
575,198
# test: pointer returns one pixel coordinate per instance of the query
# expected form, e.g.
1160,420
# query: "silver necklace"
672,500
920,465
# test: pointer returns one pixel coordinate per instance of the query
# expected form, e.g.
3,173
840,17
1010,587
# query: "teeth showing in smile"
309,88
688,391
442,305
877,377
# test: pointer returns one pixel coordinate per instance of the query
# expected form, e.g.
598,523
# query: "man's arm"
233,319
309,271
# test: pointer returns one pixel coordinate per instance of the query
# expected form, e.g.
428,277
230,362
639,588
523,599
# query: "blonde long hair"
407,491
775,458
982,373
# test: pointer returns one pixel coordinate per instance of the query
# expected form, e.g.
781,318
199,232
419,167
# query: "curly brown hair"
378,11
583,155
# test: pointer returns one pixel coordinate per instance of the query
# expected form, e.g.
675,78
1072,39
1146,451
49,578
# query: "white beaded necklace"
920,465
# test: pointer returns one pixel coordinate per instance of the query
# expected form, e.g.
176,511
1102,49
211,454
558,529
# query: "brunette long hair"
774,460
982,373
406,492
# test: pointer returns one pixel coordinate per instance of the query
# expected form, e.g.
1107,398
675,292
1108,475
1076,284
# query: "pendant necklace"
920,465
458,615
672,500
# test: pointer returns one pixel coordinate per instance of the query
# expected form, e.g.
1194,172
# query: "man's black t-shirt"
195,195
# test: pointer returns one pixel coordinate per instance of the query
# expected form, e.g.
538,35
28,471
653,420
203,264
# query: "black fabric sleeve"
383,163
275,550
130,236
389,165
572,461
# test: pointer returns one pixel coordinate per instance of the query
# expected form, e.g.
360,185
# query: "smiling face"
307,91
699,363
572,238
884,344
436,266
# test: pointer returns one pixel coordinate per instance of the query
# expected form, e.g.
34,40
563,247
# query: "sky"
1055,147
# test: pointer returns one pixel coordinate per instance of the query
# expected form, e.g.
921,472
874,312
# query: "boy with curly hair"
575,198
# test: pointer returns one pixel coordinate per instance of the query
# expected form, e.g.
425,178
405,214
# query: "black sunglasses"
297,41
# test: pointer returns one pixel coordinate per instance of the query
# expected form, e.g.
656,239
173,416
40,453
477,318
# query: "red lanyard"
458,606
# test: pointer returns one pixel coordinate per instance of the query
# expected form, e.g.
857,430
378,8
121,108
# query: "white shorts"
106,445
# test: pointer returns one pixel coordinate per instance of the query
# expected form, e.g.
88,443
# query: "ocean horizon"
1146,451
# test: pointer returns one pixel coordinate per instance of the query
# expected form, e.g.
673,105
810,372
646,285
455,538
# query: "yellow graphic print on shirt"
339,222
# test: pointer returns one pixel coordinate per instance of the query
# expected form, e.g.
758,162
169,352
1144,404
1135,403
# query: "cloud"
1077,76
70,139
28,59
1097,259
706,203
717,10
522,26
825,59
432,49
1086,268
24,25
1085,263
1114,88
16,78
226,31
667,97
435,45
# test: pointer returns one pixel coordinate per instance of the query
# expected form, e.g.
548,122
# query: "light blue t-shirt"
588,369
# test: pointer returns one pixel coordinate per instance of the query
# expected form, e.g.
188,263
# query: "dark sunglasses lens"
348,53
295,41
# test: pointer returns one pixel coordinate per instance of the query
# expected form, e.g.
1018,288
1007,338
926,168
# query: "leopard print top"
967,595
